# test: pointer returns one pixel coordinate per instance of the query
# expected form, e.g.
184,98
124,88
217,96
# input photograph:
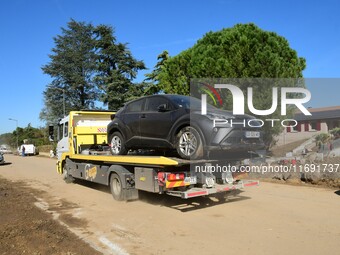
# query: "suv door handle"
143,116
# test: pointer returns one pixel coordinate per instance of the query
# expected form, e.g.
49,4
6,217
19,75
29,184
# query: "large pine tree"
72,68
116,69
88,65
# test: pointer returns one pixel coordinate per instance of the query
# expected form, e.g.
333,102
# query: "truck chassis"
172,176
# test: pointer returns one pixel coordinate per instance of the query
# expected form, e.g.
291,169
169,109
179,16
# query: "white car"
30,150
5,150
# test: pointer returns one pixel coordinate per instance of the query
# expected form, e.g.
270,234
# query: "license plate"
191,179
252,134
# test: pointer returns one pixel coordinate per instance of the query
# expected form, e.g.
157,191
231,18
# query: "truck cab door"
63,137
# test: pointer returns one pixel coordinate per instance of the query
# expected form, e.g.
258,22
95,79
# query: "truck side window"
66,129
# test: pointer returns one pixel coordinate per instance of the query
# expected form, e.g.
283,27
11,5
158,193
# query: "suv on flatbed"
175,122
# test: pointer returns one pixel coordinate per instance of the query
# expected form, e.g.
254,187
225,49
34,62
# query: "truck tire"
117,144
116,187
189,143
67,178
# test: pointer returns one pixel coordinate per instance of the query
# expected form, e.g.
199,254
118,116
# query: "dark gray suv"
175,122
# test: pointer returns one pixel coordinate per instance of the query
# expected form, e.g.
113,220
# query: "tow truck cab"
83,131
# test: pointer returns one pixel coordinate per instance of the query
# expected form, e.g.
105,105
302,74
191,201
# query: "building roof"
332,112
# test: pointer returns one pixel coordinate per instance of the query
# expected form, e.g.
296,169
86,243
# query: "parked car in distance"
2,159
5,150
30,150
165,122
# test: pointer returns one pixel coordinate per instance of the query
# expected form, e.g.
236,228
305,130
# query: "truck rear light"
175,177
161,176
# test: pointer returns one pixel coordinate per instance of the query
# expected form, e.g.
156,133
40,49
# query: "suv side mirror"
162,108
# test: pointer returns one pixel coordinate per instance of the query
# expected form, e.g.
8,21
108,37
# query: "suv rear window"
134,106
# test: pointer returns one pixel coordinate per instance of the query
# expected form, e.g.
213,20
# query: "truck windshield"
60,132
66,129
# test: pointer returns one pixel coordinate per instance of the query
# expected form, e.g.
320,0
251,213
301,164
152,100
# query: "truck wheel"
116,186
67,178
189,143
117,144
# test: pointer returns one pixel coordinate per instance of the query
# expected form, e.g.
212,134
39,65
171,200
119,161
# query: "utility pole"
16,121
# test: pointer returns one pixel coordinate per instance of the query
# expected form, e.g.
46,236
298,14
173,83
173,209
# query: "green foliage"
322,138
116,68
243,51
152,78
36,136
87,64
335,132
72,67
47,148
6,138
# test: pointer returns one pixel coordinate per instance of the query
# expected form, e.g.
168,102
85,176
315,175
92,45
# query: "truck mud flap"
130,194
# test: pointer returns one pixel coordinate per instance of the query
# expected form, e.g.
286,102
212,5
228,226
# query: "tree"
243,51
116,68
322,138
89,65
36,136
335,132
151,80
7,138
72,67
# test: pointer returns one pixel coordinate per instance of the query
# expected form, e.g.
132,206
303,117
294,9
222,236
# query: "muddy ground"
26,229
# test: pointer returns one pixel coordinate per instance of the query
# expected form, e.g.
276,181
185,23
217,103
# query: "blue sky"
149,27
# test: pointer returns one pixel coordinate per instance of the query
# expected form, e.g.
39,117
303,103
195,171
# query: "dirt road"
269,219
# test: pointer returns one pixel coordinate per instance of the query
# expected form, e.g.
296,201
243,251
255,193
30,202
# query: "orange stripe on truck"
174,184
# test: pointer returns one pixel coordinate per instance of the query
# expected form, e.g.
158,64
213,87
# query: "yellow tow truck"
84,153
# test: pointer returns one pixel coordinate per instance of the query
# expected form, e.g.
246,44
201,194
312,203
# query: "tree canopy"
243,51
152,79
88,65
36,136
72,68
116,68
